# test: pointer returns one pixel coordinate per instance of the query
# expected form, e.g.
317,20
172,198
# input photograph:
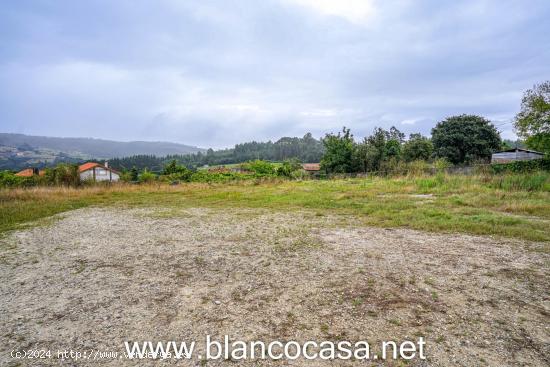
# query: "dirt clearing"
98,277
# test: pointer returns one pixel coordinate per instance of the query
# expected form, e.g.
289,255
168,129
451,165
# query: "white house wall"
101,174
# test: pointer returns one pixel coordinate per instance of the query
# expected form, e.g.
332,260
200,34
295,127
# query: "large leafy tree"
533,121
340,152
465,139
418,147
379,148
372,151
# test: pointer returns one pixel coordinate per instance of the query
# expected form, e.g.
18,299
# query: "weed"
395,322
80,267
429,281
470,204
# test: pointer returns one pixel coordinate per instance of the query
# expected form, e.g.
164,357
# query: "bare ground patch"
98,277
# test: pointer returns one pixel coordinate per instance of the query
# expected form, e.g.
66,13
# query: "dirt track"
98,277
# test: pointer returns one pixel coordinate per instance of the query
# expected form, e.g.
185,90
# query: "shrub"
9,179
522,166
441,164
147,176
289,168
418,168
210,177
63,174
125,176
260,167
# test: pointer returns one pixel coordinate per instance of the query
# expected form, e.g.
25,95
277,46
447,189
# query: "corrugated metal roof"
519,150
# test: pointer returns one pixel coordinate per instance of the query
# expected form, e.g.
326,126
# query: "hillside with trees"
19,151
305,149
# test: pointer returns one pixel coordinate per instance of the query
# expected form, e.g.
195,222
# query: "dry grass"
468,204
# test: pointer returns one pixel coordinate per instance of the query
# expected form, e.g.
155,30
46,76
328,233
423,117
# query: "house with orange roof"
311,167
29,172
98,172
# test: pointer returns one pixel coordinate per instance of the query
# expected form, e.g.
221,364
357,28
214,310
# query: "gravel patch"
98,277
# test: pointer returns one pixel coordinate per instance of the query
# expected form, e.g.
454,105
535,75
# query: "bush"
63,174
210,177
289,168
260,167
147,176
441,164
522,166
418,168
126,176
9,179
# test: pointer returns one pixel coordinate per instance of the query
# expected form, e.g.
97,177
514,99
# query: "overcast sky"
214,73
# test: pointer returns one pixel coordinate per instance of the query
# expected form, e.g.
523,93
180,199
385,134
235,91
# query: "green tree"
173,168
134,174
511,144
465,139
379,148
288,167
533,121
174,172
393,149
418,147
147,176
373,150
340,151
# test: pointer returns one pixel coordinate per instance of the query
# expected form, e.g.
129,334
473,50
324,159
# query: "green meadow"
508,205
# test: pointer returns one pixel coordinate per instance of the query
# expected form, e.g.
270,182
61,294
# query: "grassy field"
516,206
283,260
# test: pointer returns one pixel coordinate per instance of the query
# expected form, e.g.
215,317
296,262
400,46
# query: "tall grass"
511,205
522,182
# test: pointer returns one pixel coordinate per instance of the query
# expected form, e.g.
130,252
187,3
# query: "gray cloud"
214,73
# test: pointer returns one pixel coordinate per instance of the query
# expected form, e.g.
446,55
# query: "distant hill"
18,151
305,149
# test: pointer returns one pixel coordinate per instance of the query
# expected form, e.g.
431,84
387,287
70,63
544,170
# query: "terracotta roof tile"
312,166
90,165
87,166
28,172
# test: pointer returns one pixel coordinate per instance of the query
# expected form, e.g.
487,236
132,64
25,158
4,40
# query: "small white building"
516,154
98,172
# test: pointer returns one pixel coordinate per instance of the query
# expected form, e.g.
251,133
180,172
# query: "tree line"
458,140
305,149
463,139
